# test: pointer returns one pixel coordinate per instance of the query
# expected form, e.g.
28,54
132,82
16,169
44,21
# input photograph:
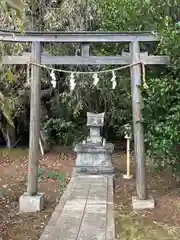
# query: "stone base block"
31,203
128,177
142,204
94,170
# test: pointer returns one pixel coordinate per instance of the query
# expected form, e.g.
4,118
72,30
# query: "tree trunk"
9,135
45,144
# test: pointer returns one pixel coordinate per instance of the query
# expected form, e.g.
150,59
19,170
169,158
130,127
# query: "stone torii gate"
32,200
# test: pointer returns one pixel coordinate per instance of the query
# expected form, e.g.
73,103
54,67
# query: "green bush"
161,113
62,132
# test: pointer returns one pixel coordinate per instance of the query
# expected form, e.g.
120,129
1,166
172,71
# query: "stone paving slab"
85,211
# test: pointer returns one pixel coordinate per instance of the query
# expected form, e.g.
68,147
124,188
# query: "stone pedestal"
139,204
94,157
31,203
127,177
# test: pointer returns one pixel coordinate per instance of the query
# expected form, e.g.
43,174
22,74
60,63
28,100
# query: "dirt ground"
54,173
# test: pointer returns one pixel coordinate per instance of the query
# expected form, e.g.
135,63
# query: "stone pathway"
85,211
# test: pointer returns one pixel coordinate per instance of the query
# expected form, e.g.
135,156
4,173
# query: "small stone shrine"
94,154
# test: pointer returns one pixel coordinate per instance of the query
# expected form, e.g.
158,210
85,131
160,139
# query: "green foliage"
162,115
63,132
15,4
161,101
6,108
56,176
51,175
169,45
116,103
40,172
119,15
66,125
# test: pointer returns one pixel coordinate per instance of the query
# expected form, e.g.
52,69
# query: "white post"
128,162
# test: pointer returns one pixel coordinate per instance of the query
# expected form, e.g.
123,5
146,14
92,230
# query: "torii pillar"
142,200
32,200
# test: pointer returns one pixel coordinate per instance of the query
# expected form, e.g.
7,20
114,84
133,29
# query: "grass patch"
133,227
13,152
42,174
56,176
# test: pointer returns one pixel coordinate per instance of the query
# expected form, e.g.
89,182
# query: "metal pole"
137,123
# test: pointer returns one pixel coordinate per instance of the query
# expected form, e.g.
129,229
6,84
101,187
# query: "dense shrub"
62,132
161,111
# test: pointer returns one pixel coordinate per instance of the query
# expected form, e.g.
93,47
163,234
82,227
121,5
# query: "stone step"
85,211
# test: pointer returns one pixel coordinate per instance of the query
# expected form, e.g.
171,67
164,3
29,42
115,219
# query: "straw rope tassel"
145,86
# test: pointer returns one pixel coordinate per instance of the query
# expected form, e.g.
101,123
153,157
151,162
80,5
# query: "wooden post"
137,124
34,153
128,163
85,49
128,156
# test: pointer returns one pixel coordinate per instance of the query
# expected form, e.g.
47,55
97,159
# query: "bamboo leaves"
15,4
5,107
10,75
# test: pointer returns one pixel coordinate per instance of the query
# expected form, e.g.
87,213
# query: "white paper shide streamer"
53,77
72,82
96,79
113,80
